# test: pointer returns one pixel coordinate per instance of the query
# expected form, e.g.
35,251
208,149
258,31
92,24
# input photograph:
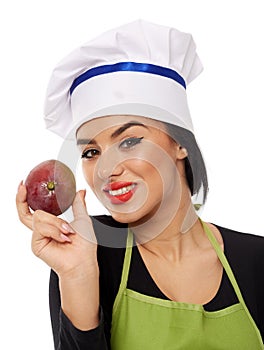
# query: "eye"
90,153
130,142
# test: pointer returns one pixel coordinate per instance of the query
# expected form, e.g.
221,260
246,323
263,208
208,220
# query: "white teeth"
122,190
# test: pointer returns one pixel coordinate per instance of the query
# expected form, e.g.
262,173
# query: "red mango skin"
51,187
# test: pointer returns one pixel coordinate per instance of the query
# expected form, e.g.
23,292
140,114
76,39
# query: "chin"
134,218
124,218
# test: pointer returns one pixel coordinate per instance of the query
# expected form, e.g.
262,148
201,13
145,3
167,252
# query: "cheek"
155,165
88,172
147,172
140,167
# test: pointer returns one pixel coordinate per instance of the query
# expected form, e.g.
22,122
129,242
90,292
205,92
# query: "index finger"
23,210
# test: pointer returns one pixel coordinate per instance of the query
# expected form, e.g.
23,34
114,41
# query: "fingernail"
82,193
65,238
67,228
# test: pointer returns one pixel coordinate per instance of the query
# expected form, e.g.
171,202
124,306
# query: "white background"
226,104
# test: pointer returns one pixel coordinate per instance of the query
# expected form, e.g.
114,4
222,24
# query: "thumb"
82,223
79,206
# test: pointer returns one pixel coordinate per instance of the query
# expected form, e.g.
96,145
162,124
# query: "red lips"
119,192
117,185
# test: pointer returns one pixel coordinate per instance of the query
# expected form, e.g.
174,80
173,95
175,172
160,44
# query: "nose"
109,165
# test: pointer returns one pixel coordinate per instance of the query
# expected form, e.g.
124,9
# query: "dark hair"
195,169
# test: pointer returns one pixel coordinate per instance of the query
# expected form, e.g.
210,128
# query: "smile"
120,192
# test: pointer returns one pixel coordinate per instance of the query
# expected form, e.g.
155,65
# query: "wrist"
79,291
80,274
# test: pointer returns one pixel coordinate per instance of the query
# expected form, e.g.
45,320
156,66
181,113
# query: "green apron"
141,322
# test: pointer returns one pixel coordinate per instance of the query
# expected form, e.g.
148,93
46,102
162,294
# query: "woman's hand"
69,249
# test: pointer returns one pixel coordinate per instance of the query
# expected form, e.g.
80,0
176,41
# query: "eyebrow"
116,133
126,126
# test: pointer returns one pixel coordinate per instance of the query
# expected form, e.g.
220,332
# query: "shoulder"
245,252
246,248
111,237
241,238
109,233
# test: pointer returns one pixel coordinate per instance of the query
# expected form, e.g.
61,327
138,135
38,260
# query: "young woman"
152,274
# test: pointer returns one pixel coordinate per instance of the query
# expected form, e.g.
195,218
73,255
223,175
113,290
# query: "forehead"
98,125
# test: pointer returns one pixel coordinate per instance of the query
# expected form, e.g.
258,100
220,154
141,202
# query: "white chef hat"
140,68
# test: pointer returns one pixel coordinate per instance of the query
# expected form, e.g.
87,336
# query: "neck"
169,227
174,245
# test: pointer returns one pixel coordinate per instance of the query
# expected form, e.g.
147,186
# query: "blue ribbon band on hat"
128,67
